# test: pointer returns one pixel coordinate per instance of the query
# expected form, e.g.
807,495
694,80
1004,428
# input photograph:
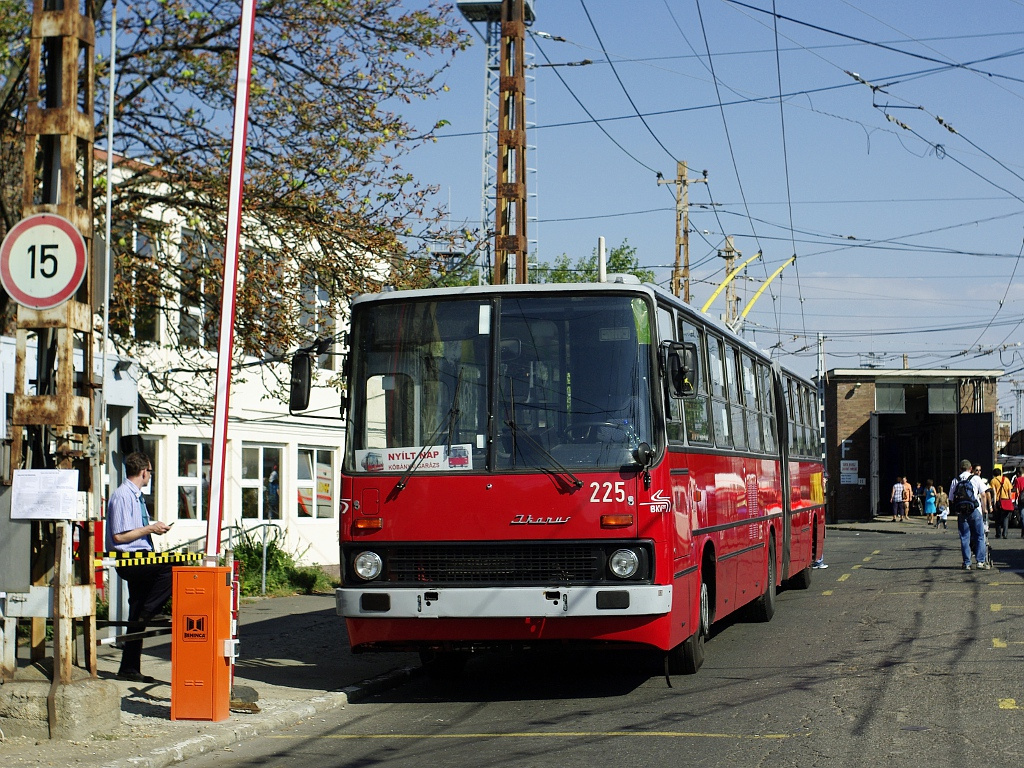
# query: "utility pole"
510,231
58,415
681,273
1017,413
729,253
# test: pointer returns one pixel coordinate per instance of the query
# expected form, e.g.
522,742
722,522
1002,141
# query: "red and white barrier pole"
227,311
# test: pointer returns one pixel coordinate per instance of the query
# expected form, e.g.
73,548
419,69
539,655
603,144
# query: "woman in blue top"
929,501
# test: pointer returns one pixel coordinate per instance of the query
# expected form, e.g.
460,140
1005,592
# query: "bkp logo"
195,629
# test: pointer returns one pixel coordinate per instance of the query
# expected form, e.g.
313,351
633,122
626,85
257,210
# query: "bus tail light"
616,521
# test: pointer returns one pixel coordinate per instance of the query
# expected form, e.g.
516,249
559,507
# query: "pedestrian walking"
908,494
966,493
1002,500
929,494
896,499
941,508
1018,497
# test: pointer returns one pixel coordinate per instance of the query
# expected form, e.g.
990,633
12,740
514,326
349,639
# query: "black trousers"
149,587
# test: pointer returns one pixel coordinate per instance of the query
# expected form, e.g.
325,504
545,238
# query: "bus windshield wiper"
518,433
450,420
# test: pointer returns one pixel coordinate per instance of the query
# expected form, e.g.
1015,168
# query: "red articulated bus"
591,463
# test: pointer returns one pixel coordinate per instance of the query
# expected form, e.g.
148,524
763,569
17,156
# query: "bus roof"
626,286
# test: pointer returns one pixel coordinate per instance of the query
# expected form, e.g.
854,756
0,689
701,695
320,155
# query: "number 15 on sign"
42,261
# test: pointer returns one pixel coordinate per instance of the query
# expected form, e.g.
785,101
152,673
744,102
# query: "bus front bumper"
503,602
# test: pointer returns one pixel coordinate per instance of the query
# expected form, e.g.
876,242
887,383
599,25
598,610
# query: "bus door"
782,410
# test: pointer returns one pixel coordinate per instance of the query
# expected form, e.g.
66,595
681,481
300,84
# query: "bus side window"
816,448
767,407
719,393
673,405
751,410
735,395
695,408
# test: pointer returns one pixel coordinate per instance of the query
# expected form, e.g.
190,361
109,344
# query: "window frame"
314,484
204,451
258,487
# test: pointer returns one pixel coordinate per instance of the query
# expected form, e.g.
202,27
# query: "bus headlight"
624,563
367,565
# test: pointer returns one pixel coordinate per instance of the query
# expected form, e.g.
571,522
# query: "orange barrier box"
202,650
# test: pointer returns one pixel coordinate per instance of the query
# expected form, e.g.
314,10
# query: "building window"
890,398
315,316
135,306
194,463
151,447
202,266
942,398
261,482
316,483
262,311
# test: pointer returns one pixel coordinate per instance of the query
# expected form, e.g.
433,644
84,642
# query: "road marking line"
996,607
844,577
935,592
855,567
546,735
997,643
1008,704
827,592
877,552
867,560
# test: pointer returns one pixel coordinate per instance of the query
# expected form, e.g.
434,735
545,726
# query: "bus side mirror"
680,361
301,382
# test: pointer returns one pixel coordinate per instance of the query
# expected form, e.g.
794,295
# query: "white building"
281,470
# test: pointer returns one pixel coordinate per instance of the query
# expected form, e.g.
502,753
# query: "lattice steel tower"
505,166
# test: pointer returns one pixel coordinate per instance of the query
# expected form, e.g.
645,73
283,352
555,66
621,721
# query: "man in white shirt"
968,508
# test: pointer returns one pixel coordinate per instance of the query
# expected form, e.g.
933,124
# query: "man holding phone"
129,529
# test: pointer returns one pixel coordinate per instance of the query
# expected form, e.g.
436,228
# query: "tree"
329,210
621,260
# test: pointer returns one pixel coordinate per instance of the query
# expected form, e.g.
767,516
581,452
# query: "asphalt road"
894,657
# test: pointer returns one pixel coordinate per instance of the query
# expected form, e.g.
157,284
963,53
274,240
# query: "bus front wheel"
687,657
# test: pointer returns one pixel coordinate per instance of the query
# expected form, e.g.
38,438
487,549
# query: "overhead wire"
622,85
785,163
587,112
732,152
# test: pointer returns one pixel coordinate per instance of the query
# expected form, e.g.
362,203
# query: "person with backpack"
1002,498
965,493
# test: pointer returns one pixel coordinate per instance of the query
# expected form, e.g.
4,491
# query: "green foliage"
327,199
621,260
283,575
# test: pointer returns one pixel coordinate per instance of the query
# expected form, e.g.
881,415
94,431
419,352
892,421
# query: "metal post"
510,235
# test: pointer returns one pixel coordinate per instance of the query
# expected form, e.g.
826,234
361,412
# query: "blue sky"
908,235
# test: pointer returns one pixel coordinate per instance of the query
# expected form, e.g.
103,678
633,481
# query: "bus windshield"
499,384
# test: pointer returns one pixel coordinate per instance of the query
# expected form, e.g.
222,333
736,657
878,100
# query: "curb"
287,715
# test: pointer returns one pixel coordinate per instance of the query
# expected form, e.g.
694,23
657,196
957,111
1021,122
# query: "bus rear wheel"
763,608
688,657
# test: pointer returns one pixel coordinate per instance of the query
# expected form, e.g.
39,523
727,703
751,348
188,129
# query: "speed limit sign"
42,261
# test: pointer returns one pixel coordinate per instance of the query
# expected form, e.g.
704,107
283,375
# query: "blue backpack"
964,500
